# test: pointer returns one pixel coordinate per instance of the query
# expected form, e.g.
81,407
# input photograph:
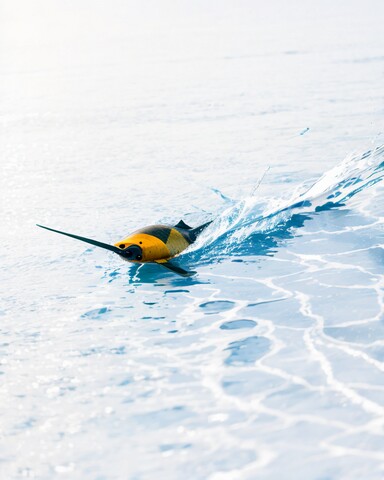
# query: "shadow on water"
154,275
159,276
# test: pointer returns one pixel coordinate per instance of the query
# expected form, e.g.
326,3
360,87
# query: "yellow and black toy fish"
156,244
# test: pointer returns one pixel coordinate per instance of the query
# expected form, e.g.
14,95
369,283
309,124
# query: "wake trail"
251,221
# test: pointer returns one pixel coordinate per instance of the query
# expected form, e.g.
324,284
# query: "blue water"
268,120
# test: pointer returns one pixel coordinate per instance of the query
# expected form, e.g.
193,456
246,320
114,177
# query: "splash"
255,226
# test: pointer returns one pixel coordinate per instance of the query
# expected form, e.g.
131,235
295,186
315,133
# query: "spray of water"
254,226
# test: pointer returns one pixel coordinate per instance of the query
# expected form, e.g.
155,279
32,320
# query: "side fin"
182,224
175,268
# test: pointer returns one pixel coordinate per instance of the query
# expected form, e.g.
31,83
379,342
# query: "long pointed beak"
87,240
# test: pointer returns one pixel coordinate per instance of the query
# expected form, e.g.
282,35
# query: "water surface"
267,118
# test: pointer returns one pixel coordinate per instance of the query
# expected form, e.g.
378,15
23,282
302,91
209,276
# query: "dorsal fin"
182,224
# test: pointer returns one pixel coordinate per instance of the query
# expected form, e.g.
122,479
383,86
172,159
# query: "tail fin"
195,232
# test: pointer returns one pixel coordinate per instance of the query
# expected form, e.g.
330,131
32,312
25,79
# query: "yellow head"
142,247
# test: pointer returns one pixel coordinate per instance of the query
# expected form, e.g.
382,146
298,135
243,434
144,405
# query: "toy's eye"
141,243
122,245
139,257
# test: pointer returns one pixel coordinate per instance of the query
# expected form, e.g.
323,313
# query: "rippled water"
266,118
